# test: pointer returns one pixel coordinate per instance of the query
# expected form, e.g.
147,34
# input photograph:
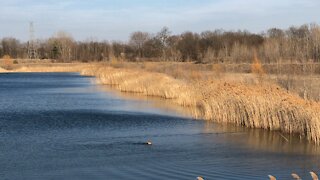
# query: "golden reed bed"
264,106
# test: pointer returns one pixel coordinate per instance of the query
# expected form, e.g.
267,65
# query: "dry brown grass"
254,73
218,70
143,82
71,67
7,62
256,68
265,106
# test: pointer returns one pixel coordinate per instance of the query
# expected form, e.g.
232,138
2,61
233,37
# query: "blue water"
63,126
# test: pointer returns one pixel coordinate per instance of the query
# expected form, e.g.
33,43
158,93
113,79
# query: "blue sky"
116,19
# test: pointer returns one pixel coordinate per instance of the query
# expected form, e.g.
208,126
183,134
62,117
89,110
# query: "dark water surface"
62,126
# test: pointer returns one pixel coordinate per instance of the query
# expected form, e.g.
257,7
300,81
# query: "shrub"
256,66
257,69
7,62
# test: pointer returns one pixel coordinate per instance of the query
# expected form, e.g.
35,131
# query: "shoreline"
264,106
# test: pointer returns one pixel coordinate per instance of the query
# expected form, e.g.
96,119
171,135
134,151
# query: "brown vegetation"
72,67
236,73
7,62
256,66
223,100
264,106
212,73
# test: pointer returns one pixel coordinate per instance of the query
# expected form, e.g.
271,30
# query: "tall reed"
264,106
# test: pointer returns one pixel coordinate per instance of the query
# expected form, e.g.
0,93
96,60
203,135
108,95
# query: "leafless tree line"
293,45
292,55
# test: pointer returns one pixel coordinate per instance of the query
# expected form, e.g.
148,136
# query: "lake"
64,126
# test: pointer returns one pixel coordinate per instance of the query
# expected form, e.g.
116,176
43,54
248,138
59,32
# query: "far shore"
245,99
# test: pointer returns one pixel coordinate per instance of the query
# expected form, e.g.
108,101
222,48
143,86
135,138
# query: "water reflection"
150,101
263,140
59,126
258,139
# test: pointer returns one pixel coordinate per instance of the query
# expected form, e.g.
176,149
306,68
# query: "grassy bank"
262,105
256,103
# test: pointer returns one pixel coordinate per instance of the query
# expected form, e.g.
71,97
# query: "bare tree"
63,44
137,40
188,46
11,47
163,36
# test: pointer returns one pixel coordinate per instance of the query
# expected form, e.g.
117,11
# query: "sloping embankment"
76,67
256,106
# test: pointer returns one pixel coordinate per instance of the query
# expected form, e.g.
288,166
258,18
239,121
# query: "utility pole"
32,52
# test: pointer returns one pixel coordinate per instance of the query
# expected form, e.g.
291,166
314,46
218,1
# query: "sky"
117,19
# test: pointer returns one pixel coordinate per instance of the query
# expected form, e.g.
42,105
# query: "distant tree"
173,53
188,45
315,42
275,33
163,37
11,47
118,48
153,48
1,51
54,50
42,51
210,44
137,40
62,45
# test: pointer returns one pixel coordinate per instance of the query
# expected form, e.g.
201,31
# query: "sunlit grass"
223,100
264,105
